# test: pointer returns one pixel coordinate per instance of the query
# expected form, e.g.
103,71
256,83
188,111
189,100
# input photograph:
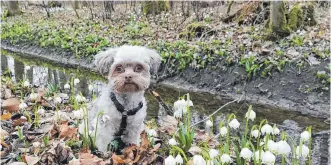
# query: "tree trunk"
13,8
75,4
278,23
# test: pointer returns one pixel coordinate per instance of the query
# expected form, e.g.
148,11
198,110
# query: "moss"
159,6
195,29
280,29
295,18
310,14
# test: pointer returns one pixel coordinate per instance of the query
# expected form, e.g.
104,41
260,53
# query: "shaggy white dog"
128,69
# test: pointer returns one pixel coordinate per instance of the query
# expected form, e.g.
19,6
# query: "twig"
236,100
161,102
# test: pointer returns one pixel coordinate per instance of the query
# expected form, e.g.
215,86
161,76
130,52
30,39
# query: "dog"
128,70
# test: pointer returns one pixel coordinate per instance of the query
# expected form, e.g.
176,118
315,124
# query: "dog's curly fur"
128,69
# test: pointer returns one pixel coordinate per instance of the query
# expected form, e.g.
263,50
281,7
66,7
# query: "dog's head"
128,68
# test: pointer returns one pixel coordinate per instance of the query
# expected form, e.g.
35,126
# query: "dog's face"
128,68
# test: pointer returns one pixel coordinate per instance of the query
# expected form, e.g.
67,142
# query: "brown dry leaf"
11,105
87,159
3,143
31,160
168,124
119,159
6,116
144,140
19,121
3,133
67,132
156,147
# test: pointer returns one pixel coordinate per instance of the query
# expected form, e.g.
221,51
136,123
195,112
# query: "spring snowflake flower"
26,84
33,96
234,124
257,155
90,87
66,86
272,146
180,105
209,123
225,158
251,116
199,160
78,114
36,144
266,129
246,153
170,160
223,131
27,67
213,153
255,133
275,131
41,111
305,136
22,106
76,81
80,98
268,158
152,133
57,100
179,159
304,151
283,147
178,114
172,142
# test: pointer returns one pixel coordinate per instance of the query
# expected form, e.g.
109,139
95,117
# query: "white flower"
179,159
261,143
266,129
78,114
172,142
57,100
41,111
105,118
255,133
178,114
283,147
22,106
304,151
76,81
225,158
170,160
189,103
23,118
246,153
181,105
209,123
33,96
80,98
26,84
27,67
36,144
305,136
152,133
66,86
251,116
234,124
268,158
258,156
223,131
275,131
90,87
272,146
199,160
213,153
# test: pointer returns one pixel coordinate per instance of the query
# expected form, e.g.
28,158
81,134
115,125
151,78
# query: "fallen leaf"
11,105
31,160
3,133
168,124
87,159
67,132
6,116
19,121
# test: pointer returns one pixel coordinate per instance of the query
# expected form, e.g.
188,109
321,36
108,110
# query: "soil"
287,90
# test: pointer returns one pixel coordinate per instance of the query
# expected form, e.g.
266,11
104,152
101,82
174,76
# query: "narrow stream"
40,73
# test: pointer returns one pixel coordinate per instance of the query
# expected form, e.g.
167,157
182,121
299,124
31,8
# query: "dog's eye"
119,68
138,68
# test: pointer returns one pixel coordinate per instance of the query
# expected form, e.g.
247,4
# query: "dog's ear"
104,60
154,60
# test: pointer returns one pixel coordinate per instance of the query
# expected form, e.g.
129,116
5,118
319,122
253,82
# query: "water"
40,73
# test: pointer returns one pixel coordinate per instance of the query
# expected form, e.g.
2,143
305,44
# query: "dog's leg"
132,134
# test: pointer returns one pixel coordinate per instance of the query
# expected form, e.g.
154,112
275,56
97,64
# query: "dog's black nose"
128,77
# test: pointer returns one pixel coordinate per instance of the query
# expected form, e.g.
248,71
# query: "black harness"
117,143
